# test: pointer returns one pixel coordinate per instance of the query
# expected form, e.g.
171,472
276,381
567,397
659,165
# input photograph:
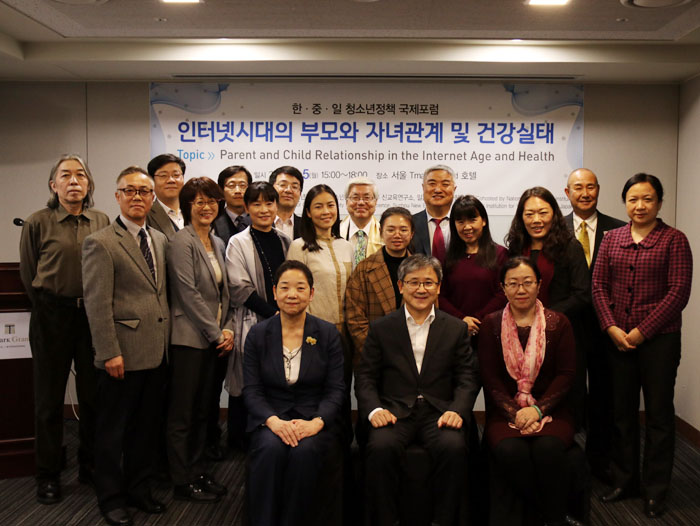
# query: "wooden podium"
16,385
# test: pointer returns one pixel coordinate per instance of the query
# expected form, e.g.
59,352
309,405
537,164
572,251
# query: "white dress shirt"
418,333
444,226
175,217
591,225
285,226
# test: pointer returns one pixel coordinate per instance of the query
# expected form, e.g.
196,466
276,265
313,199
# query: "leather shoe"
193,493
48,492
654,508
208,484
117,517
616,495
146,503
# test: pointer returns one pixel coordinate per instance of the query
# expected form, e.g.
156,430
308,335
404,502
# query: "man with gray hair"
58,329
360,227
432,235
427,398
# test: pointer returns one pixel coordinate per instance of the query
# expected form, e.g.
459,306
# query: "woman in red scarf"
527,359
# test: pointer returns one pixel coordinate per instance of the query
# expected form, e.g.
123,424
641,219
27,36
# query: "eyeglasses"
513,286
414,284
232,185
201,203
166,175
390,231
295,187
130,191
360,198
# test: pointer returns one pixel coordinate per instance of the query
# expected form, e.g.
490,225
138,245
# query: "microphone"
18,221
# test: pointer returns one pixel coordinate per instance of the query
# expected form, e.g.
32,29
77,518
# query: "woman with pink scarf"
527,359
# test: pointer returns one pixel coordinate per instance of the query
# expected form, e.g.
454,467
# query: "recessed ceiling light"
653,4
516,40
548,2
180,1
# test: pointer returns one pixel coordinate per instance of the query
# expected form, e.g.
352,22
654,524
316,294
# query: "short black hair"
161,160
397,211
193,187
260,188
644,178
230,171
293,264
289,170
515,263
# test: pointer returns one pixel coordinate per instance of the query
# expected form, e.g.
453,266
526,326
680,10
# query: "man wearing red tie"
432,234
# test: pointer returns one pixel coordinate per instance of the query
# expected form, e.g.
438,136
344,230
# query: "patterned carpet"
79,507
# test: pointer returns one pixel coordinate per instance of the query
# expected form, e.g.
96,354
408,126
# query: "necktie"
143,245
438,248
238,224
585,242
361,247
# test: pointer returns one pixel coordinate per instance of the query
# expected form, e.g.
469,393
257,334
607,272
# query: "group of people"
202,283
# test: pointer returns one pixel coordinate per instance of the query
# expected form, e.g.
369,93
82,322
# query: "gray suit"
129,317
128,311
196,297
158,219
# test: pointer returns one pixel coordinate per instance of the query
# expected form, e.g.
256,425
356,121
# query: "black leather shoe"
193,493
146,504
208,484
616,495
86,475
48,492
117,517
654,508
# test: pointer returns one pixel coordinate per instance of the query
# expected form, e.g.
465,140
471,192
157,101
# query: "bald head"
582,190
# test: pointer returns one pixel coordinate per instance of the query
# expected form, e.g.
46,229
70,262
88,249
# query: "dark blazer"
297,226
127,310
570,288
225,229
320,389
421,236
387,376
158,218
605,223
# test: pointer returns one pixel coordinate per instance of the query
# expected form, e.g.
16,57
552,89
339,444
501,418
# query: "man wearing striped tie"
360,227
589,226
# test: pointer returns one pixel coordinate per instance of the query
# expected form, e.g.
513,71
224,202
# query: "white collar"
428,318
591,222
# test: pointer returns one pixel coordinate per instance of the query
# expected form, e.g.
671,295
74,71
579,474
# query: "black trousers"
536,473
599,421
128,424
282,479
213,427
191,384
385,456
651,367
59,334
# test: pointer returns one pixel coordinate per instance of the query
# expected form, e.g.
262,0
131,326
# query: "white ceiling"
586,41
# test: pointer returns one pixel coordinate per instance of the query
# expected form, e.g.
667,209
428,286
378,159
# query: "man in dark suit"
416,382
234,181
289,183
126,302
589,226
432,225
168,174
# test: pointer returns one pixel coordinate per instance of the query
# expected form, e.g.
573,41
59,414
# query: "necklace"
262,255
288,357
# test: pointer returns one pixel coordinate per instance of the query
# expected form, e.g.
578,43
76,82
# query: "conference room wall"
627,128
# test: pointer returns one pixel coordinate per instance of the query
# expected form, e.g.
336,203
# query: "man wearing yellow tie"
589,226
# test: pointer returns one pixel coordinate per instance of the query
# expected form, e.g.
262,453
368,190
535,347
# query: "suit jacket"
297,226
225,229
605,224
320,389
421,236
369,294
387,375
127,310
374,238
195,295
158,218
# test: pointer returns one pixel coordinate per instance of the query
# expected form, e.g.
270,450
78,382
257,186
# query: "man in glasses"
126,303
289,182
360,227
168,174
58,332
417,382
234,181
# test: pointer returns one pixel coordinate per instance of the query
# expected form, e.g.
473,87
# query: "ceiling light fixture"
653,4
180,1
548,2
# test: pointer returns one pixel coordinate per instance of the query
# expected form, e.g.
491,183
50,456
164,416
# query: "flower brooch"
311,340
